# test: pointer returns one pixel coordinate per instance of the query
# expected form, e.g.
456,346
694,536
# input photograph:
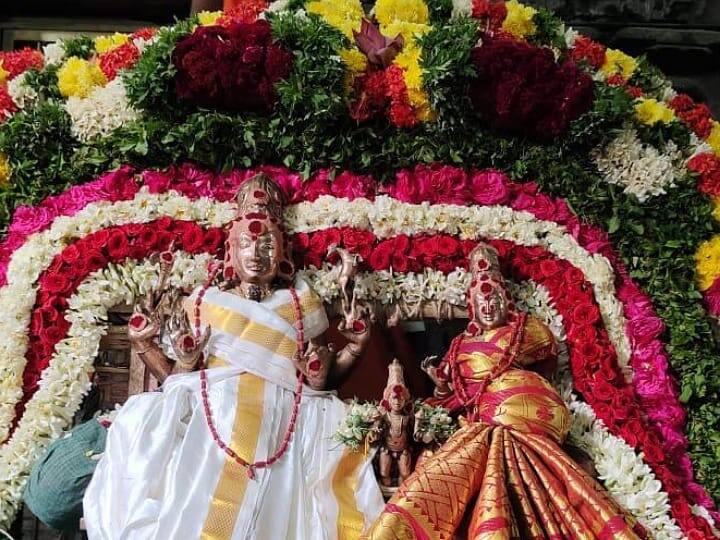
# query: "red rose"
117,245
71,254
447,246
603,391
381,256
300,242
585,314
148,238
95,260
214,238
164,240
98,240
653,452
134,229
192,239
358,241
400,262
51,335
56,283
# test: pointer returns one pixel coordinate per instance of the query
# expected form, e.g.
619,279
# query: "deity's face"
397,398
255,257
490,309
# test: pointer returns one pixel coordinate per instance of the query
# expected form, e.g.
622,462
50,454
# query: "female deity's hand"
428,366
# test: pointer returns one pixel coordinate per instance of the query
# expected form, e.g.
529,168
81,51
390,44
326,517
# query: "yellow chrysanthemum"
617,62
707,260
714,139
3,73
651,111
4,171
209,18
345,15
78,77
354,60
716,208
409,11
519,20
409,60
107,43
409,30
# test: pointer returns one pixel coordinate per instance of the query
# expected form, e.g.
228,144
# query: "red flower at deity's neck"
379,50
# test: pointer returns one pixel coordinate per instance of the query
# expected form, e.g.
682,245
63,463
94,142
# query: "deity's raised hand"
315,364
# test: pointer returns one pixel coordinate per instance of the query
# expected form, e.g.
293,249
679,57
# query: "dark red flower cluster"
707,166
93,252
380,92
586,50
520,89
697,116
493,12
17,62
144,33
233,67
123,57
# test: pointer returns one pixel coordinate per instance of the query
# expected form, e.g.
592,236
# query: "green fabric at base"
57,482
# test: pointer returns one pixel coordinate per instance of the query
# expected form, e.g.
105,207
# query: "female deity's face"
255,257
491,309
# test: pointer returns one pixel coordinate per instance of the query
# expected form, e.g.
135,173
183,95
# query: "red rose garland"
89,254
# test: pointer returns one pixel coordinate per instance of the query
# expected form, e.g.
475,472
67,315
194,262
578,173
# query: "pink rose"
353,186
642,330
407,188
158,181
712,298
667,413
489,187
28,220
449,185
119,185
541,206
594,240
317,186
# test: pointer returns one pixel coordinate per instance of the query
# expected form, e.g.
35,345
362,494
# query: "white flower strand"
66,380
385,217
640,168
36,254
99,114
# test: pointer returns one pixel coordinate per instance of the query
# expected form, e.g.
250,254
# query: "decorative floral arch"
408,164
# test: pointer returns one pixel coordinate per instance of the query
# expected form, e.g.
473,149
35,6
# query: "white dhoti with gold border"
163,476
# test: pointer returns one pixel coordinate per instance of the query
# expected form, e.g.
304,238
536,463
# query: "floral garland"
634,157
69,375
315,209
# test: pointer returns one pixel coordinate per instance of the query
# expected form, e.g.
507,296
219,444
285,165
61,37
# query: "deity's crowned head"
396,396
257,251
489,302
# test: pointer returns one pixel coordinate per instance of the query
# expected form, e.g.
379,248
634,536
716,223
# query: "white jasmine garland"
385,216
104,110
640,168
36,254
23,95
624,474
388,217
66,380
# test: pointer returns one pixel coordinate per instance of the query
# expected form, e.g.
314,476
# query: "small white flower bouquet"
361,421
433,424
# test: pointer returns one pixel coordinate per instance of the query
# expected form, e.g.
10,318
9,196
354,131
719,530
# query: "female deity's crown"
396,380
484,258
260,194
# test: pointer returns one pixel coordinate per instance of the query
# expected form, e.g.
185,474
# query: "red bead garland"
251,467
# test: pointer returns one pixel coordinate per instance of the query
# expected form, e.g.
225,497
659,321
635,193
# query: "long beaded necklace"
261,464
469,402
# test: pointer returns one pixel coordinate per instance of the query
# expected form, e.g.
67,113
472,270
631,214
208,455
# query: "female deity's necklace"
300,341
252,291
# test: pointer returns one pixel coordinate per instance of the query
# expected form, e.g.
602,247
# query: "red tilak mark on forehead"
256,215
483,265
259,194
255,227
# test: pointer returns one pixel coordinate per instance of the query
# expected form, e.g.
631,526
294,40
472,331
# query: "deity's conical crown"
396,380
260,194
484,258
